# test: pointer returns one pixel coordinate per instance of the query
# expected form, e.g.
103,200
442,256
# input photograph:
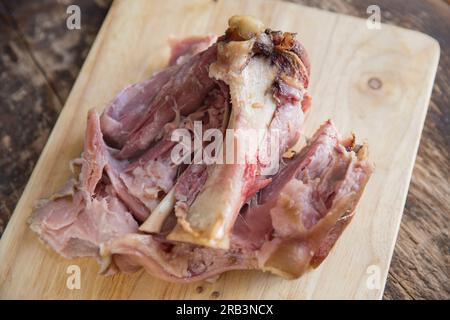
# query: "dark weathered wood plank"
29,108
40,59
39,62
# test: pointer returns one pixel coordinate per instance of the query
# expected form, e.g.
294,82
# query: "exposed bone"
246,26
211,216
261,68
155,221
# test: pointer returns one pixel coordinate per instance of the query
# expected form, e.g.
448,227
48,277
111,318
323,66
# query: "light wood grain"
344,55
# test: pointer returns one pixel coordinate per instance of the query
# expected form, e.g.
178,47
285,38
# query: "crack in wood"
405,289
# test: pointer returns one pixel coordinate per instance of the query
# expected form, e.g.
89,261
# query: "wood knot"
199,289
375,83
215,294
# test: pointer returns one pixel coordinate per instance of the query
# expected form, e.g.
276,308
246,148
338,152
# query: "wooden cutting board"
376,83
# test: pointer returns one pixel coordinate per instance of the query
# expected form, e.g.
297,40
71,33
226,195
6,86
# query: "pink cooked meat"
183,93
84,214
157,97
132,206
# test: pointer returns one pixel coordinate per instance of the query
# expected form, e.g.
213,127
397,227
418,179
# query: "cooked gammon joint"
131,205
264,71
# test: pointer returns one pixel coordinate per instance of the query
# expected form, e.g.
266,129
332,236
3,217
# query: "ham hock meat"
130,205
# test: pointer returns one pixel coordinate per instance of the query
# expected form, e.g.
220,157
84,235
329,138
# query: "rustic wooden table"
40,59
